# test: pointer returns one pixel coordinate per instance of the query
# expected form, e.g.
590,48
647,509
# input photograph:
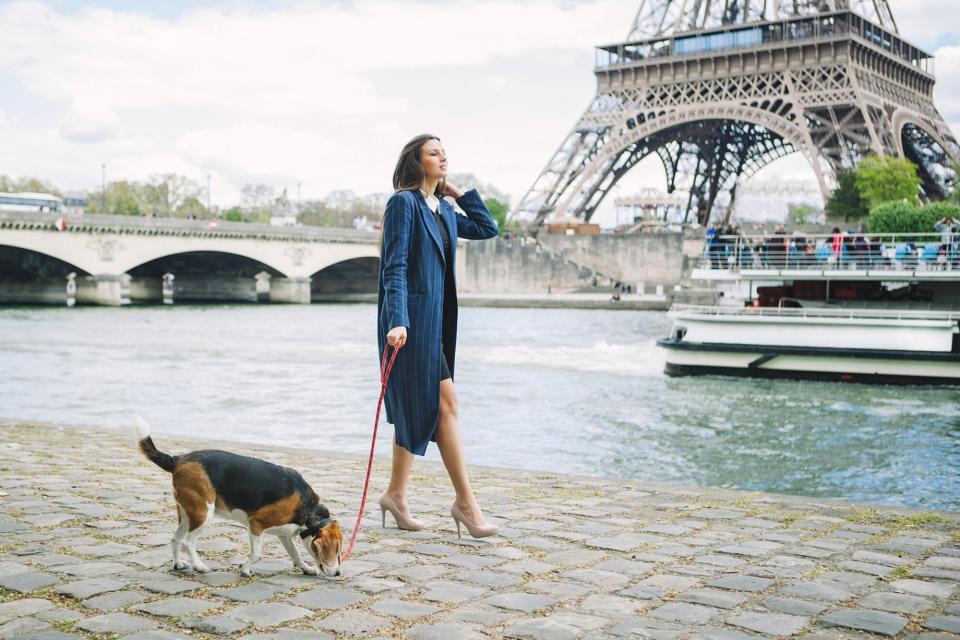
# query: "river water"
569,391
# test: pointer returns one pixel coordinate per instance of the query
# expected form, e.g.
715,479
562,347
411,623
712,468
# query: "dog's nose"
337,573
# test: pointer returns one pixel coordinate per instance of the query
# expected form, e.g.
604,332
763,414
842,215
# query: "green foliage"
499,212
882,179
800,213
846,203
901,217
27,184
233,214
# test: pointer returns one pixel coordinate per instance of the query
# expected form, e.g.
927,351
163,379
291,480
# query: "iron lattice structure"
720,88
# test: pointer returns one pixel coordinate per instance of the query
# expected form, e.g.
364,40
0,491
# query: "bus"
30,202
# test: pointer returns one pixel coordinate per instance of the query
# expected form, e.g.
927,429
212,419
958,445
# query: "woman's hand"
397,337
452,191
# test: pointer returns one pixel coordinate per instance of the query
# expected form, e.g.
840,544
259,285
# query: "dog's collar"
315,527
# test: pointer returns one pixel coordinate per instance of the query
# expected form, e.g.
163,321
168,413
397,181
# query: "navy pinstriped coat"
412,266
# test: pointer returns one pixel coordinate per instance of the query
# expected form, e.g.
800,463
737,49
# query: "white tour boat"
852,307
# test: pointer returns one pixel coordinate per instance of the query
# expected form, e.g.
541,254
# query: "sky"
326,93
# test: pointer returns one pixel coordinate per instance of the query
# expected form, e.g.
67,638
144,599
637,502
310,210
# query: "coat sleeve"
397,222
479,224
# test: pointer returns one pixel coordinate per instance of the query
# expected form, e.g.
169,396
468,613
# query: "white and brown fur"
263,497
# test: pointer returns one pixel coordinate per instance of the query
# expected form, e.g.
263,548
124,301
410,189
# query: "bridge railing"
181,226
839,252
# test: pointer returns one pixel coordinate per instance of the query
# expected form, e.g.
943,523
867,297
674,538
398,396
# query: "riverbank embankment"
86,523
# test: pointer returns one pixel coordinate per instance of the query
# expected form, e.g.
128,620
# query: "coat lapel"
432,228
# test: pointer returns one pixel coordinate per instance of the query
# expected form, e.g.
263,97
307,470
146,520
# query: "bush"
902,217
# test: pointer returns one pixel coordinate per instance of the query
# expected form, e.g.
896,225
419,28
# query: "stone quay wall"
85,525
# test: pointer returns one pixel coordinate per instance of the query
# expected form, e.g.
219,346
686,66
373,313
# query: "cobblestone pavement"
85,524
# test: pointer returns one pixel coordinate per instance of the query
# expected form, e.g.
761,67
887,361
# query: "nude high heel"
477,531
403,522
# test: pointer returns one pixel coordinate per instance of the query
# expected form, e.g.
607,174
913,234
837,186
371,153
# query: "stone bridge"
115,260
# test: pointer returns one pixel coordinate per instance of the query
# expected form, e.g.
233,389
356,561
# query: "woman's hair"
408,176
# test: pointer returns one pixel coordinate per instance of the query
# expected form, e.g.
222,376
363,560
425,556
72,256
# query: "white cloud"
3,119
90,120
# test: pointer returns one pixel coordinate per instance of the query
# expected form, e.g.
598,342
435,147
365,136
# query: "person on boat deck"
947,226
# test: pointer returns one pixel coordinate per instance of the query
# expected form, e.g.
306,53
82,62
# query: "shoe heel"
458,527
383,517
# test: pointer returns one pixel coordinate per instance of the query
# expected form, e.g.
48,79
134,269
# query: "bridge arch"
602,172
353,275
159,251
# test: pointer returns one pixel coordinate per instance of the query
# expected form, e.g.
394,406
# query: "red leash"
385,368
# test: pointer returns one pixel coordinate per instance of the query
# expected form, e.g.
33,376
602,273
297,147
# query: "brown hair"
408,176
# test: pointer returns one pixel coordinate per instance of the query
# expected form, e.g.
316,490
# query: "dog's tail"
163,460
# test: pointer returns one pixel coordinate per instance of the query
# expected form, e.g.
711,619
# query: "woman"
417,307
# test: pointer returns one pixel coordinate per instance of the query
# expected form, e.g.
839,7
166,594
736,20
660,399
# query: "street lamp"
208,195
103,187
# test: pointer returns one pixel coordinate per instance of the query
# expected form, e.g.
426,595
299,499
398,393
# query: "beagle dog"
263,497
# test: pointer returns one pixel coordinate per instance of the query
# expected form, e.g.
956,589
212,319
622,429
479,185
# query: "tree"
845,202
124,198
499,212
800,213
882,179
191,207
27,184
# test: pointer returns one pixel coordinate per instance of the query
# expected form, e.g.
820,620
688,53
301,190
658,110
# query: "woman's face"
434,160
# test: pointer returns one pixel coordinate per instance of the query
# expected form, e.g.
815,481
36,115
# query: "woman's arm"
479,224
394,254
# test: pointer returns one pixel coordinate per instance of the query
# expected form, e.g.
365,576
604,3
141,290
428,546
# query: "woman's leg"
400,478
451,450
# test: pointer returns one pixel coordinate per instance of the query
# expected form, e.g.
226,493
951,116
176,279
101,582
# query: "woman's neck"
429,187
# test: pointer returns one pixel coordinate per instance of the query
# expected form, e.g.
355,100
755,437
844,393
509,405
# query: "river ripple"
570,391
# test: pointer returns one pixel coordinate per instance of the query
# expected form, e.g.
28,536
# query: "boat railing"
835,252
817,312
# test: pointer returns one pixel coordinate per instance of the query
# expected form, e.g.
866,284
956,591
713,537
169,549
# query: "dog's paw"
245,570
181,566
201,567
310,570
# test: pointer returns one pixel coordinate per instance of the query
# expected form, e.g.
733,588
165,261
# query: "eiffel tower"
720,88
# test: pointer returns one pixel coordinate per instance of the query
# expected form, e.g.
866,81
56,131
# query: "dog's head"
324,541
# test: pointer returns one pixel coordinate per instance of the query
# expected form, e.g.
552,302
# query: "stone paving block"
452,592
554,626
60,615
943,623
528,567
115,600
881,558
644,592
353,623
218,625
742,583
943,562
268,614
289,634
471,561
887,624
328,598
598,579
669,582
896,603
771,624
794,607
90,569
377,585
416,573
610,606
404,609
89,588
855,582
19,626
721,560
28,582
25,607
713,598
648,628
157,635
218,578
51,635
684,613
816,591
520,601
116,623
924,588
176,607
560,589
866,567
493,579
251,592
443,631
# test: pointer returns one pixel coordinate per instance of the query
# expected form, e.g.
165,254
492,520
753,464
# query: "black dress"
447,283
